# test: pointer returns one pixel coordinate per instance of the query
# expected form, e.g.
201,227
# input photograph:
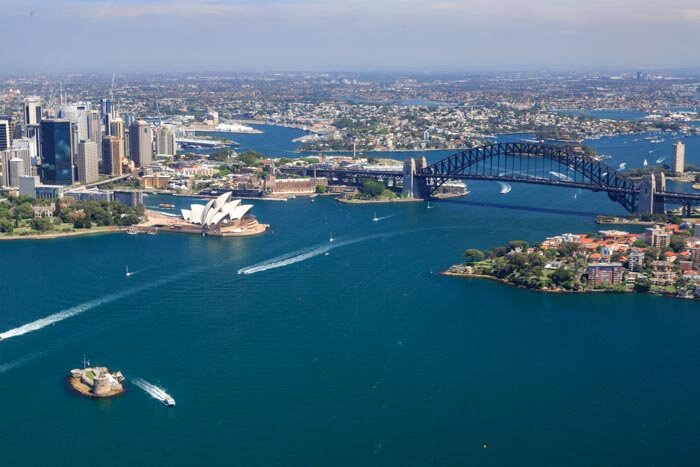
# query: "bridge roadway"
531,163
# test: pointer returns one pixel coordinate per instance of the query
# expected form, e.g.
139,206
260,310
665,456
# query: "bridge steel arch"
532,163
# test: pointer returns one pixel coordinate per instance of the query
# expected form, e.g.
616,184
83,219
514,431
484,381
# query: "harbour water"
356,354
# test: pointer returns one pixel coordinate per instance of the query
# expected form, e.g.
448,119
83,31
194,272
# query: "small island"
96,382
664,260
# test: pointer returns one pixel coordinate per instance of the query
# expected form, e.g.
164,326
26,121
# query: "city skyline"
347,35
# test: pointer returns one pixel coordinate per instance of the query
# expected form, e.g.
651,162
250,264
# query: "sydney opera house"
222,216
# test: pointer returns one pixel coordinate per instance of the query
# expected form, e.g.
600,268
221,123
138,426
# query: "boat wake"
82,308
660,160
60,316
152,390
385,217
622,166
505,187
304,254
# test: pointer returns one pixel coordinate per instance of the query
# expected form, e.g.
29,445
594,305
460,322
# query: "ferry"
166,206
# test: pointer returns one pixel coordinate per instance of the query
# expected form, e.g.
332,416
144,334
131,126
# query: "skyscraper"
94,130
5,133
117,128
111,155
141,143
678,162
86,161
16,171
165,141
56,152
32,110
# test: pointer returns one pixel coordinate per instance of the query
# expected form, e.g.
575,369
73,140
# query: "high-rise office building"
165,141
112,155
94,130
32,110
118,129
16,170
5,133
86,162
14,163
129,118
141,143
678,162
56,151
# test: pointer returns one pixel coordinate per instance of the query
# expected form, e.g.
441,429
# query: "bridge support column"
414,187
647,191
659,203
409,177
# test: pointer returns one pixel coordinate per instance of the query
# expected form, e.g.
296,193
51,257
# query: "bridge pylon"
414,187
649,203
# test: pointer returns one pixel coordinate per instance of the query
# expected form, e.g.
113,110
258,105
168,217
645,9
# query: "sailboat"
429,206
331,239
375,218
645,163
128,274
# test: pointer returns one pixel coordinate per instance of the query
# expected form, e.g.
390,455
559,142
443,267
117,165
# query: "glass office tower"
56,152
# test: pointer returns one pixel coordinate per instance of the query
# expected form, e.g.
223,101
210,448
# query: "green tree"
41,224
473,255
563,277
642,286
677,244
372,188
6,226
250,158
24,211
321,188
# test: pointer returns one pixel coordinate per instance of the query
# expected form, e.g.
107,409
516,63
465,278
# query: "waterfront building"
157,181
293,186
662,274
657,237
221,216
56,152
86,162
695,255
29,185
635,260
111,155
678,161
600,274
130,198
89,194
165,141
141,143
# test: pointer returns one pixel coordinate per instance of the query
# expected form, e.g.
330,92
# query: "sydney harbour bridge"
522,162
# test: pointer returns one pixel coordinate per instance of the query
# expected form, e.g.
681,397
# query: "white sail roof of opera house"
219,210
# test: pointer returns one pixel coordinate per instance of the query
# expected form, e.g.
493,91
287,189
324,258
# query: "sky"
347,35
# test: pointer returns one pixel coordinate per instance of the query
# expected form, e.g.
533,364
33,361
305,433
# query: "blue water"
362,356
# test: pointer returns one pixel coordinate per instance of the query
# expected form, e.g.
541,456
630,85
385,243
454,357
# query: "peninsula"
664,260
